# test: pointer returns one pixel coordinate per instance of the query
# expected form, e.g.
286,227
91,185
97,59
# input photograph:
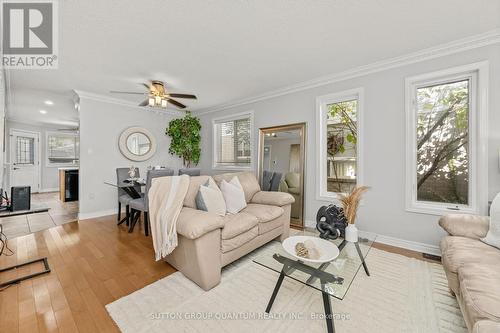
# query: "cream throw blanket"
166,197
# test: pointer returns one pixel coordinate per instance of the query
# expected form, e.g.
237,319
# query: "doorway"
25,159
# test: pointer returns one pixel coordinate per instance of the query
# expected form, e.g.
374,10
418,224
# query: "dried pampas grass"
350,202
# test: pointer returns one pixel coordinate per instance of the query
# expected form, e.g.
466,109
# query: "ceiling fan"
157,96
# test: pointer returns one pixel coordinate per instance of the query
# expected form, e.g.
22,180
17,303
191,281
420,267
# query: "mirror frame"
122,144
302,127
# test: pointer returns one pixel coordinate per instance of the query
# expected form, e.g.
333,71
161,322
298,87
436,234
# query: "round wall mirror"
137,144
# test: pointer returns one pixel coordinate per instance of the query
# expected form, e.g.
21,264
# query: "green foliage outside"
442,142
185,139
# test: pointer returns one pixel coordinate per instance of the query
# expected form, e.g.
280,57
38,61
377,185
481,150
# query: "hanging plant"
185,139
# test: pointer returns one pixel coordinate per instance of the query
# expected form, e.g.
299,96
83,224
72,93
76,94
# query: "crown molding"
457,46
117,101
45,125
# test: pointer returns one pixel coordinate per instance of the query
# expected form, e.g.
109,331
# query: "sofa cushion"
292,179
486,326
263,213
235,242
210,198
480,291
459,251
247,180
235,224
234,196
194,187
273,198
193,223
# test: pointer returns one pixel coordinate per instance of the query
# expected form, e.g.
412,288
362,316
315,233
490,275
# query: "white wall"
384,141
101,124
48,175
280,152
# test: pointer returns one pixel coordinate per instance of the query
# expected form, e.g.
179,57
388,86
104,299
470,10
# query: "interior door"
25,163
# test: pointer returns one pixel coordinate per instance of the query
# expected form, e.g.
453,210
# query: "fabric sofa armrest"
193,223
465,225
272,198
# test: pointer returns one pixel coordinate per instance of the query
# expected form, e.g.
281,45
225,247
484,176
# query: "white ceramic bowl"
327,250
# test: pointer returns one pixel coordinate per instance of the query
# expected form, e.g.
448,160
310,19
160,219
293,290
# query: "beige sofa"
207,242
291,184
473,270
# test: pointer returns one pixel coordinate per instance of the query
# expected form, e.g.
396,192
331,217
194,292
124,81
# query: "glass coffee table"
331,278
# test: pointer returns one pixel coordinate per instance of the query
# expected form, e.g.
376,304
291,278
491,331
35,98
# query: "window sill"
439,211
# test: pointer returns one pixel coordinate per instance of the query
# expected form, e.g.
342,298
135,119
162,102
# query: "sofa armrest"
193,223
272,198
465,225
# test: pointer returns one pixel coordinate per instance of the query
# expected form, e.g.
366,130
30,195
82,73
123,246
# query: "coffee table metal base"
290,265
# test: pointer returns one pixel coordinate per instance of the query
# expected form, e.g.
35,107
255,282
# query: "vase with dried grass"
350,203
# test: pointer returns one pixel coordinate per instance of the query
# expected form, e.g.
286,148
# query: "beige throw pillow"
233,195
210,198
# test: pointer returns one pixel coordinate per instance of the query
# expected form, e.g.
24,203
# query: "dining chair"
142,204
123,197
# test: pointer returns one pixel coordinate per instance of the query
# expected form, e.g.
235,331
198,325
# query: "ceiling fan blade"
149,87
174,102
182,96
144,103
127,92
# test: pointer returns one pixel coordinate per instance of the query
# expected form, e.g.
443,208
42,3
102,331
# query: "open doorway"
41,167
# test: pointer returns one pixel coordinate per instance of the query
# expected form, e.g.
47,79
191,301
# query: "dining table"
130,188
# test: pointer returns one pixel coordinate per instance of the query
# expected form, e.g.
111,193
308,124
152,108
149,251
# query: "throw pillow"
233,195
210,198
493,236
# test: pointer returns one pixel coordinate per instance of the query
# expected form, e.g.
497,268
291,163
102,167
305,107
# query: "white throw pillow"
493,236
233,195
210,198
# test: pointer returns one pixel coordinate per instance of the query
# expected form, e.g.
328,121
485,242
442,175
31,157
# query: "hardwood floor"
93,263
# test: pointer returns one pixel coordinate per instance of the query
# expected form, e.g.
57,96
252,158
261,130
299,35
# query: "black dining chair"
142,204
123,197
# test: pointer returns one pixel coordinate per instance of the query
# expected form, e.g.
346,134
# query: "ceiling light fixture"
48,102
43,111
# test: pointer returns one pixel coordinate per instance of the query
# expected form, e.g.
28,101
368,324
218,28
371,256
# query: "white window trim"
47,161
478,187
236,116
322,103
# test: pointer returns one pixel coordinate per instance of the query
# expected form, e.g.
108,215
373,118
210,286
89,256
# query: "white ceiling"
224,50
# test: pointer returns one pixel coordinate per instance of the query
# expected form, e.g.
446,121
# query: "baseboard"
93,215
46,190
409,245
397,242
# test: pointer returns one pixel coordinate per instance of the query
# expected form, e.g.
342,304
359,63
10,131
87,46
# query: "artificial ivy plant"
185,139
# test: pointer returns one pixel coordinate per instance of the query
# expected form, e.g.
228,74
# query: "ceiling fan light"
151,101
157,100
163,103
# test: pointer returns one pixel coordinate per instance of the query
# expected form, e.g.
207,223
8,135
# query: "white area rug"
401,295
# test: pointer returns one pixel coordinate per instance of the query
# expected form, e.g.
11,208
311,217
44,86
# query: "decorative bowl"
328,251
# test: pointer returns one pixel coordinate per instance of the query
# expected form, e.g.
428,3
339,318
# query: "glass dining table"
130,187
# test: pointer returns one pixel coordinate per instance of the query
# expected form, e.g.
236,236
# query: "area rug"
401,295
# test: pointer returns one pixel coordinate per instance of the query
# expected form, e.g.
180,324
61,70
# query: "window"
62,149
339,142
444,120
233,142
25,147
